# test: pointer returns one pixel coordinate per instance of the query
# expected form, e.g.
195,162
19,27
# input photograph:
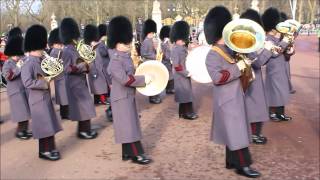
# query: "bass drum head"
196,64
159,74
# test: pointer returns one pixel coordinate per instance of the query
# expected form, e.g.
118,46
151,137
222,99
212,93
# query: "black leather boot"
259,139
84,130
141,159
284,117
50,155
274,117
109,114
24,134
154,99
87,135
248,172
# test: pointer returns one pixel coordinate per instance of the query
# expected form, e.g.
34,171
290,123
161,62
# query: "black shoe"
283,117
259,139
87,135
170,91
141,159
248,172
274,117
109,115
50,155
293,91
24,135
155,100
189,116
126,157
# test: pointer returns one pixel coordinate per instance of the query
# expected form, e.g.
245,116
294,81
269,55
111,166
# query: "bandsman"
179,36
81,106
17,95
59,81
277,81
166,50
230,126
255,101
149,49
45,122
125,116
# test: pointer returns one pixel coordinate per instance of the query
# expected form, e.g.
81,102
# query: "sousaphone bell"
159,75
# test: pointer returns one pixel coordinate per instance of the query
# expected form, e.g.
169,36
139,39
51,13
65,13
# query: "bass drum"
159,74
196,64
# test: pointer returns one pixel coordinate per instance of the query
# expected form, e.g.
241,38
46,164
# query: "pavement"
180,149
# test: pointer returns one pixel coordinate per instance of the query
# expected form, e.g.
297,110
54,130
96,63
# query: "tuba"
86,52
289,28
244,36
159,55
51,66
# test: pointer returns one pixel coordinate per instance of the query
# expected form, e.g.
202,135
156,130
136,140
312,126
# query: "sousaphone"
159,75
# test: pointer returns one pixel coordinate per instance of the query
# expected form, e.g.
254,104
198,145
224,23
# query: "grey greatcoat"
81,105
125,117
98,77
277,82
165,46
148,52
230,125
255,98
60,81
182,83
17,95
45,121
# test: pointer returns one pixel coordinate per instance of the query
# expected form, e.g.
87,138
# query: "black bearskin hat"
119,31
180,31
252,15
214,23
102,30
16,31
14,46
283,16
270,19
35,38
91,33
69,30
164,32
148,27
54,37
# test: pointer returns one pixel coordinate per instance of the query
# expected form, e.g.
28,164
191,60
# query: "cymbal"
159,75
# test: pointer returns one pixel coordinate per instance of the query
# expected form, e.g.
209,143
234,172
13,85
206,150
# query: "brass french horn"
244,36
51,66
86,52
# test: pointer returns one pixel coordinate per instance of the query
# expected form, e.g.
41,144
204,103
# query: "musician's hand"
248,61
241,65
147,79
268,45
48,79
